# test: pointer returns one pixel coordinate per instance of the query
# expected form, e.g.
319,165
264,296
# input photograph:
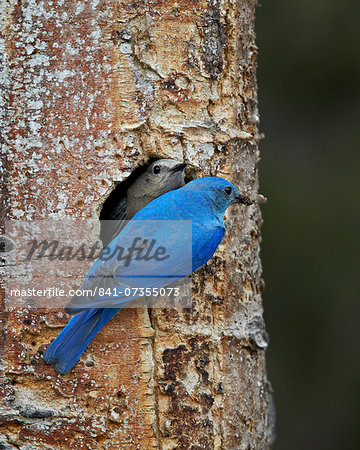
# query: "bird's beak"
178,168
243,199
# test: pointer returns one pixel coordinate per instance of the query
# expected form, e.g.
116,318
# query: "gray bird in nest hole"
161,176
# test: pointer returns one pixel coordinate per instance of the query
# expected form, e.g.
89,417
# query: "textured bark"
91,91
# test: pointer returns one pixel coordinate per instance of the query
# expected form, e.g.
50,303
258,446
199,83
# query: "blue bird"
203,202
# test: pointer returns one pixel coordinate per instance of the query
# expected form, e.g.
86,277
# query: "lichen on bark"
95,89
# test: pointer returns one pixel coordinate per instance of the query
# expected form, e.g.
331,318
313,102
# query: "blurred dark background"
309,83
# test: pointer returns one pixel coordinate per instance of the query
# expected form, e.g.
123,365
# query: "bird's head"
162,176
220,193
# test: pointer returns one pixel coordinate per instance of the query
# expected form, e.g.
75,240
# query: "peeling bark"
91,91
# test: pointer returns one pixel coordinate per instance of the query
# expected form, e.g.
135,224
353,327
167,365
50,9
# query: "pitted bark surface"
91,90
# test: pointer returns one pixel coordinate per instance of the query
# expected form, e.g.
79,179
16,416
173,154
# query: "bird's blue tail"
67,348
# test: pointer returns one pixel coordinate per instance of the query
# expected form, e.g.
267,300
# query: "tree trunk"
92,90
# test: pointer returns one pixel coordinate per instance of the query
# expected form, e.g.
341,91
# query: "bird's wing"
119,211
114,272
110,228
189,236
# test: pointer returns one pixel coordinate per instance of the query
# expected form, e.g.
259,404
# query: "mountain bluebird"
202,203
160,177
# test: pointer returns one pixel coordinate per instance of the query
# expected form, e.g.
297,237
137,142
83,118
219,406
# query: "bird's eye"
156,169
228,190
